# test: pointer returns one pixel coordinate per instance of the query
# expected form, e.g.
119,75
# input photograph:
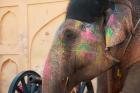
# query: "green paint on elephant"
93,30
83,47
109,32
61,42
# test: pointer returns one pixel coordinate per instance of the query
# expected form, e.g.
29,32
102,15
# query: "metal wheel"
26,82
87,84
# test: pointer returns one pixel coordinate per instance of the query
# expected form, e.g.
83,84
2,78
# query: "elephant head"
78,51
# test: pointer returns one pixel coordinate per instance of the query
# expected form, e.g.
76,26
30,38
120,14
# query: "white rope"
138,22
129,39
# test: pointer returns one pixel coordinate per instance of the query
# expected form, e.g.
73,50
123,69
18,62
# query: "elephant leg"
132,82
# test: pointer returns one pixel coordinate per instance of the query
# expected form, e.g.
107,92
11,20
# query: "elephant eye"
69,35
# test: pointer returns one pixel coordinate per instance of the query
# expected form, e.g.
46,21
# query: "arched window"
8,29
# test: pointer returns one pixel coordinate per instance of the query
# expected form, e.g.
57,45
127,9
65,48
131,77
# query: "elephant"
91,42
127,80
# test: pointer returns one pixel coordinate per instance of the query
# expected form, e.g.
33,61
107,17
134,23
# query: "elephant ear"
119,24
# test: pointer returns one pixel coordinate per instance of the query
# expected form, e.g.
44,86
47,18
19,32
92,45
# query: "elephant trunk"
55,71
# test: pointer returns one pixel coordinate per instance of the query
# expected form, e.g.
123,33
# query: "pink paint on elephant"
89,35
88,55
47,70
111,20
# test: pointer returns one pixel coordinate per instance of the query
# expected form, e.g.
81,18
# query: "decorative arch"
8,71
10,64
8,29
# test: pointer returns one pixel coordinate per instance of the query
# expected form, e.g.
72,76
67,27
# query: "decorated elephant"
125,76
96,36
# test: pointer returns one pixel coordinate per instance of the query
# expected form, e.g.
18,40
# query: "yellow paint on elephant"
108,39
77,24
99,53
